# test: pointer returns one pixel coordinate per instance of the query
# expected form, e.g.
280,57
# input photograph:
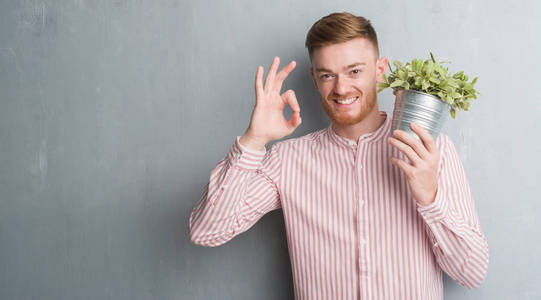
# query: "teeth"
346,101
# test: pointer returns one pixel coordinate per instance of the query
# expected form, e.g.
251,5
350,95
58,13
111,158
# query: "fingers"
427,138
281,76
404,166
291,99
259,83
412,142
407,150
273,81
295,120
269,81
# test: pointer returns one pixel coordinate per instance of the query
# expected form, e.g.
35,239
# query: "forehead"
338,56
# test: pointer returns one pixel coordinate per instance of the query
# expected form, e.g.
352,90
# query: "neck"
371,123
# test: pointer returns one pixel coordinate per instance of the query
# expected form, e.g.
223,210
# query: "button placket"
362,241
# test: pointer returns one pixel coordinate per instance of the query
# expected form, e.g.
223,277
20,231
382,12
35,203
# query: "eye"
326,76
356,71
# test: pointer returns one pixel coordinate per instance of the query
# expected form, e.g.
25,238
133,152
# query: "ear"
313,77
381,68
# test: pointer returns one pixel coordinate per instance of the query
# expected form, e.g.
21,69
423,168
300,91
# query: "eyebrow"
347,67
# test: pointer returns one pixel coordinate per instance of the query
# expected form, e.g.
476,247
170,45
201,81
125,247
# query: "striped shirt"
353,229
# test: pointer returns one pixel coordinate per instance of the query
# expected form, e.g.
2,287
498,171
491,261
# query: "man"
369,213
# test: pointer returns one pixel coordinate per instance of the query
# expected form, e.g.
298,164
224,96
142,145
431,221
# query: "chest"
323,188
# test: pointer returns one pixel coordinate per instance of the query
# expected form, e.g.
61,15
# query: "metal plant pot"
424,109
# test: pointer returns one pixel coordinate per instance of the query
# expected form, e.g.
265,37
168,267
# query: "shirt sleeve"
453,228
242,188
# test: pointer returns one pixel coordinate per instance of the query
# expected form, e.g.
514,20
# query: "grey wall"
113,114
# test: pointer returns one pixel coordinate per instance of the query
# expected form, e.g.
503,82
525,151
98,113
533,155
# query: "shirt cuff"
248,150
437,210
244,157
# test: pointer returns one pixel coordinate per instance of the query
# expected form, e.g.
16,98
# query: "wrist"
253,143
429,200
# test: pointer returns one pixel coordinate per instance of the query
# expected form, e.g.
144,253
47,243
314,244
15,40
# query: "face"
344,72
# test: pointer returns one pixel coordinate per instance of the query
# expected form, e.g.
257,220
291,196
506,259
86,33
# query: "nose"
341,86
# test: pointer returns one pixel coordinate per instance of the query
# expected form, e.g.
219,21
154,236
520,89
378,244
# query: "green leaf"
381,86
452,82
426,85
402,75
434,80
443,84
397,83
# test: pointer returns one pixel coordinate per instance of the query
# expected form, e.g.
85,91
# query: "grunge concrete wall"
113,114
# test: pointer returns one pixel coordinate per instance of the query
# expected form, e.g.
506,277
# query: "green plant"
431,77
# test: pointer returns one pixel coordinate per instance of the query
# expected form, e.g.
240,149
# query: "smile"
346,101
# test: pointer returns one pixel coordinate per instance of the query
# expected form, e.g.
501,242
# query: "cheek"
373,77
325,89
367,83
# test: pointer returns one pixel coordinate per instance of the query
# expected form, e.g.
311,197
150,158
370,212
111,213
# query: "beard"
352,115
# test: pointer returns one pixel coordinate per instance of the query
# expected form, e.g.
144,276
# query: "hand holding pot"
422,171
267,122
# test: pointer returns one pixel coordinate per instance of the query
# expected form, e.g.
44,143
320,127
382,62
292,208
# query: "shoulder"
449,154
445,144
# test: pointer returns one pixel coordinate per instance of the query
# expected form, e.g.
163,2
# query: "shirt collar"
369,137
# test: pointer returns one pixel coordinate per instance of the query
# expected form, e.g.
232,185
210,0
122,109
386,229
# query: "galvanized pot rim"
422,93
